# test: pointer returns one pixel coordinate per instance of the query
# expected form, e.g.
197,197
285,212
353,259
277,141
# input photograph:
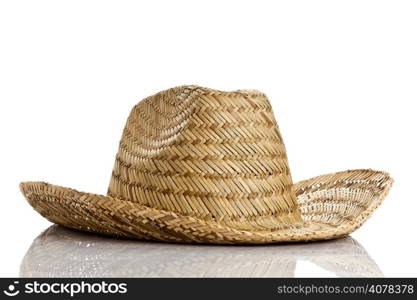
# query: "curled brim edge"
332,206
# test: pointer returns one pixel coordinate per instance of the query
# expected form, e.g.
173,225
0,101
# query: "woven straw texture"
200,165
61,252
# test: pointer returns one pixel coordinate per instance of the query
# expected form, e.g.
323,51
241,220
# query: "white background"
341,76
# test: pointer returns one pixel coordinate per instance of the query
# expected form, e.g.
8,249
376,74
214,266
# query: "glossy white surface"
341,77
61,252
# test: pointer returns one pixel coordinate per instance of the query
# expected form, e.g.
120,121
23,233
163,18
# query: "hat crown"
207,154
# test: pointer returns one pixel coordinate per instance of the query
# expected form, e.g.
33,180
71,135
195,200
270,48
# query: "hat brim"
332,206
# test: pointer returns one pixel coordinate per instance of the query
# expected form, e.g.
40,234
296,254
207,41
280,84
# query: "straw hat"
201,165
60,252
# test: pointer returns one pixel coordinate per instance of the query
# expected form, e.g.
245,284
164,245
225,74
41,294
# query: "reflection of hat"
200,165
60,252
